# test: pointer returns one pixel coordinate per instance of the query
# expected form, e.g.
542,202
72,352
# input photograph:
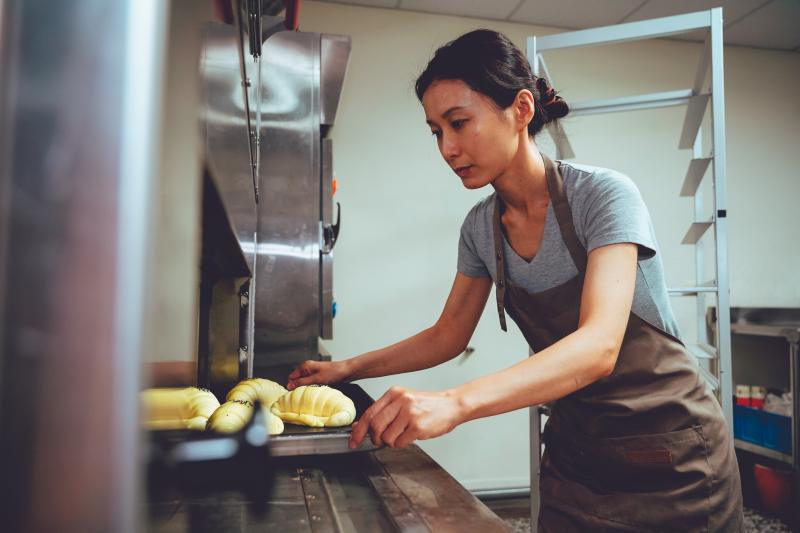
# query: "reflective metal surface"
224,121
302,76
287,293
80,105
225,125
326,259
335,57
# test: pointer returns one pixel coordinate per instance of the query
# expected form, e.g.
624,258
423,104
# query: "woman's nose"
450,149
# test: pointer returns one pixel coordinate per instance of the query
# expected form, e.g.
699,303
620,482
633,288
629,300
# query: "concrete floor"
516,513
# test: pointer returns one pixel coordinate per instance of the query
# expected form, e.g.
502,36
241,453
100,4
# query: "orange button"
335,185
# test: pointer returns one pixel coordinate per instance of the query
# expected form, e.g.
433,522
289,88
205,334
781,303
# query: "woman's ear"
525,106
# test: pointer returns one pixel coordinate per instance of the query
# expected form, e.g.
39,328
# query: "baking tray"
305,440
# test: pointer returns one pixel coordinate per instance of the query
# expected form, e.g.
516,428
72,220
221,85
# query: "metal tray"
304,440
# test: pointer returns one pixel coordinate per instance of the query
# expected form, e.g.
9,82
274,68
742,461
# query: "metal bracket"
329,234
254,27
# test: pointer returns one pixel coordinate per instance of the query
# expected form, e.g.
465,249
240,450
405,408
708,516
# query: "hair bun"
552,106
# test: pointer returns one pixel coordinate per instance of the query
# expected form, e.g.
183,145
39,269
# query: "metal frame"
792,336
696,101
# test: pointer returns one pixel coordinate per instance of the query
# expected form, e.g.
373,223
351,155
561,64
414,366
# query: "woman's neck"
523,185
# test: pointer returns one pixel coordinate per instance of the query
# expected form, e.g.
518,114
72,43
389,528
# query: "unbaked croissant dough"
274,424
263,390
231,416
178,408
235,413
315,406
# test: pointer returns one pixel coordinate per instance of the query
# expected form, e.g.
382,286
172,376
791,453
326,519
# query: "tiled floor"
516,513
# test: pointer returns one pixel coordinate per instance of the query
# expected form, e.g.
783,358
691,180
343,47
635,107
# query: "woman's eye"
456,124
436,133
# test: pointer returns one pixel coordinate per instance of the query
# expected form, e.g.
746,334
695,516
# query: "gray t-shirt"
606,209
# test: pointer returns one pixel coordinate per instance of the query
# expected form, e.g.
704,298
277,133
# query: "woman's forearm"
426,349
572,363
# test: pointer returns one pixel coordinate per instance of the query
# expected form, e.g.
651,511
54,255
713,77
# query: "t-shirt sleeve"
614,212
469,262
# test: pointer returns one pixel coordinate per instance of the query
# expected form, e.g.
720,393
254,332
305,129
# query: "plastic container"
757,395
743,395
762,427
774,488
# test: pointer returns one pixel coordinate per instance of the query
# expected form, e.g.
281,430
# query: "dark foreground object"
385,490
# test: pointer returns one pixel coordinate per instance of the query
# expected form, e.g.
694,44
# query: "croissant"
237,410
231,416
178,408
252,389
315,406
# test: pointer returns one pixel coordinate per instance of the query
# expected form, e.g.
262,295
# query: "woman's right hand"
316,372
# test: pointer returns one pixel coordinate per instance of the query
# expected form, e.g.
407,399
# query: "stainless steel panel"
80,93
287,294
224,121
227,139
243,42
326,260
335,57
316,444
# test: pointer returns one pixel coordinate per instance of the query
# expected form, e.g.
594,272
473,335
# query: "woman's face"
477,140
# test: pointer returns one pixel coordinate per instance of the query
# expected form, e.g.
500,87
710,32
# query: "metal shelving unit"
714,361
789,330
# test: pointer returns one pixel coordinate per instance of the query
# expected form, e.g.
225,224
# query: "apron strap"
500,281
558,195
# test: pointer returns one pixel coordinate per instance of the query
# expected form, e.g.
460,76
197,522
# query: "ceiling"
771,24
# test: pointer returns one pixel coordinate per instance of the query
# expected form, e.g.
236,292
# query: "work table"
396,490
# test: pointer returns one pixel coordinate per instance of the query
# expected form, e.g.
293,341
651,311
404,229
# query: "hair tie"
549,90
551,101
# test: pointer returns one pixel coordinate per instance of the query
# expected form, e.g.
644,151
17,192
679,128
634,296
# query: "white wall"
403,207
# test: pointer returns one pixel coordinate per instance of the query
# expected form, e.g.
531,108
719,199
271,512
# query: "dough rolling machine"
164,258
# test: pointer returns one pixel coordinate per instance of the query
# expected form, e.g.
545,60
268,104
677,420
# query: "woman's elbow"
607,360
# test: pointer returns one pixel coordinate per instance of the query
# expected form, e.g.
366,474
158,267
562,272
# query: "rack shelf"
696,230
694,175
761,450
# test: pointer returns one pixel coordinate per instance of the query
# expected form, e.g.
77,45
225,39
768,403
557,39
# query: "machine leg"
536,451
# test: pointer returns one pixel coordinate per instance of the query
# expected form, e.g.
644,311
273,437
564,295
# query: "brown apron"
643,449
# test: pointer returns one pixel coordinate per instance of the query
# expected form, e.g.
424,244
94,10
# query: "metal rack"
714,361
776,323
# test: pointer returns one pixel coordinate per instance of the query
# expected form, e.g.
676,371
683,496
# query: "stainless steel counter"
385,490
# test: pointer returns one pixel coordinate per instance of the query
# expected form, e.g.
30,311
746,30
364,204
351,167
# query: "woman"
636,441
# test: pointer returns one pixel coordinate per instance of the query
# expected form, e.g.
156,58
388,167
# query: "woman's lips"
463,172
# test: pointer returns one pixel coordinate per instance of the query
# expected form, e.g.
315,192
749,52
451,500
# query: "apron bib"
643,449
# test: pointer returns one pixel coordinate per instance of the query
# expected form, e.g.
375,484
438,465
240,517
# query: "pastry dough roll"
273,423
252,389
178,408
315,406
231,416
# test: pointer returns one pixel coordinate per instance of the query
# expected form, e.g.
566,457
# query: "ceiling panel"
369,3
574,14
760,23
776,25
732,10
485,9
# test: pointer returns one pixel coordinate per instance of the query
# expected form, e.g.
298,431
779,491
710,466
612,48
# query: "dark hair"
490,64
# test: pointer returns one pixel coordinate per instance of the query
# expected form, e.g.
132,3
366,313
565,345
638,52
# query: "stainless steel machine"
167,219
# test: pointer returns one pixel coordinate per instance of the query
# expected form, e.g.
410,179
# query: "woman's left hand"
403,415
